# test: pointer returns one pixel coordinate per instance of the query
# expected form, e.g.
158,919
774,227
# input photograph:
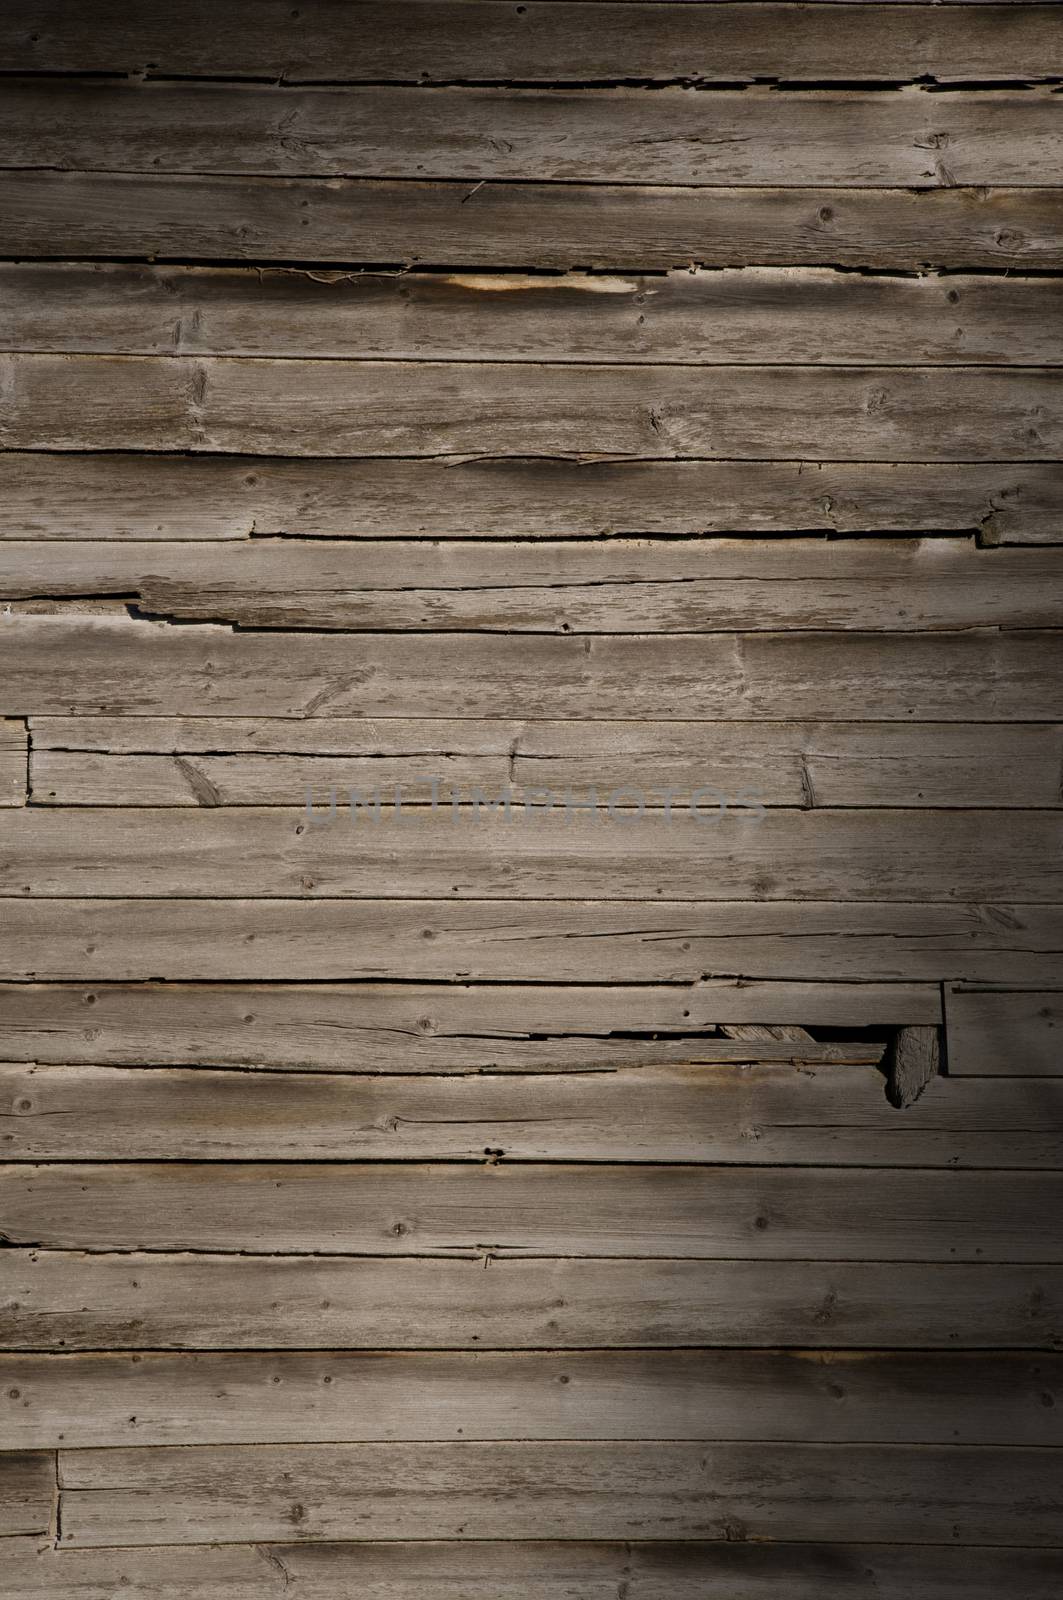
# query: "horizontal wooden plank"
479,852
411,1027
549,941
621,226
755,314
14,762
59,1300
27,1492
549,43
175,761
537,1570
449,1209
760,1114
107,1401
924,1494
624,586
331,408
1003,1034
201,498
74,665
829,138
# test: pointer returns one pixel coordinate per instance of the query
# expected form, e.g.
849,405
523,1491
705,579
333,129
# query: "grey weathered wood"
27,1493
912,1062
923,1494
72,665
755,314
14,762
553,941
331,408
759,1114
107,1401
551,43
524,224
537,1570
478,852
411,1027
1000,1034
450,1209
63,1300
203,498
830,138
690,586
176,761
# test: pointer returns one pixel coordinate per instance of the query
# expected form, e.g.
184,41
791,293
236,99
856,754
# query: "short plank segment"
749,315
537,1570
913,1061
205,498
1000,1033
525,225
14,762
107,1401
27,1493
449,1209
923,1494
65,1300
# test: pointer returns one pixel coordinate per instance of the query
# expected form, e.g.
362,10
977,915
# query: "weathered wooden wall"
565,396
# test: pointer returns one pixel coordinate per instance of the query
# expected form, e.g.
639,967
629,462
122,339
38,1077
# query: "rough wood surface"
748,315
923,1494
1000,1034
64,1300
913,1061
449,1209
453,39
524,225
14,762
692,586
108,1401
27,1493
819,138
202,498
448,408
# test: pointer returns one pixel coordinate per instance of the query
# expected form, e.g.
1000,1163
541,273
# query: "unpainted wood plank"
14,762
447,408
450,1209
27,1492
583,43
922,1494
535,1570
204,498
756,1114
74,665
552,941
110,1401
620,226
913,1061
619,587
411,1027
138,761
65,1300
1000,1034
748,315
711,851
830,138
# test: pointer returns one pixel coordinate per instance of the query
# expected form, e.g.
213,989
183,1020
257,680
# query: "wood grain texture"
450,1209
110,1401
71,665
751,1115
524,225
819,138
552,941
175,761
921,1494
409,1027
65,1300
512,1570
999,1034
204,498
582,42
27,1493
330,408
14,762
692,586
709,852
750,315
